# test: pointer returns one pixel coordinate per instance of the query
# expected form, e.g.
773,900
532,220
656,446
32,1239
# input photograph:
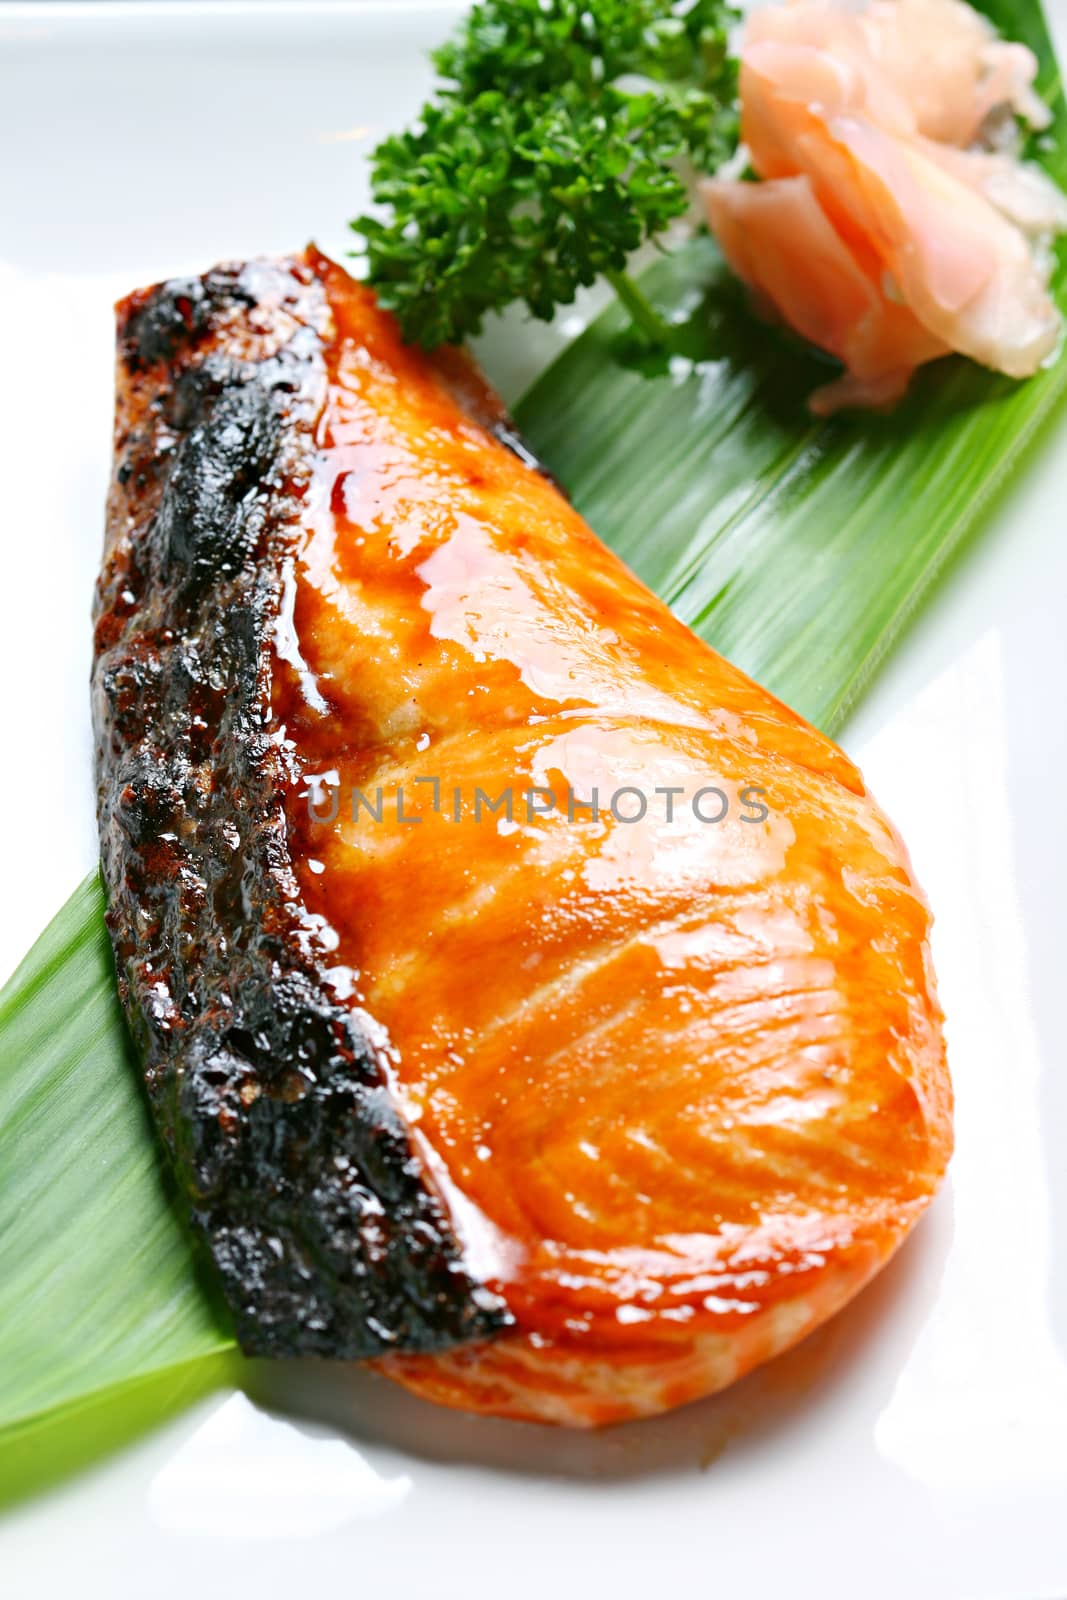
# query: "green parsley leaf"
548,155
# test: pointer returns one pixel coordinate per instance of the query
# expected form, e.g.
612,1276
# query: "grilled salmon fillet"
531,1002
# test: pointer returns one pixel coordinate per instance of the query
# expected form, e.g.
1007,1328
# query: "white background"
915,1447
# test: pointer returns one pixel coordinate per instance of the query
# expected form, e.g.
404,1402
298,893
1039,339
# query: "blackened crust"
301,1175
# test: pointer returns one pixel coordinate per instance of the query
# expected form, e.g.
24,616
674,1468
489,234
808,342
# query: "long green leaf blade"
799,549
99,1284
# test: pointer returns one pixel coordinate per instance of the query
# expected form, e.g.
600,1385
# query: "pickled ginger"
893,221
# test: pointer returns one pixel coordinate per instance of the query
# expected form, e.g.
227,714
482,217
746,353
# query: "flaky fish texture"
634,969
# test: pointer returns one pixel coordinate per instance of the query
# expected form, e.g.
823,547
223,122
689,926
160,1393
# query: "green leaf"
800,549
105,1321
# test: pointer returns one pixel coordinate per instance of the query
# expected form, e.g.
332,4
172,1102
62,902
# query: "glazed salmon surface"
680,1081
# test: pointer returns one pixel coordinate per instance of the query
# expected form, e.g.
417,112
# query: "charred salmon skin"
529,1001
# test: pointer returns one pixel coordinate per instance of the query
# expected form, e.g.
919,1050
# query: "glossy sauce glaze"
680,1081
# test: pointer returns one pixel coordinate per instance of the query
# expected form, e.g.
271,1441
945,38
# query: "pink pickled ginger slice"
875,233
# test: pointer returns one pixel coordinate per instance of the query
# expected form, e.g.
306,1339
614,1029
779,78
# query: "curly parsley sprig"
547,156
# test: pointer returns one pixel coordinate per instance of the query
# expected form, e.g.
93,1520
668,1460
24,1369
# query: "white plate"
917,1446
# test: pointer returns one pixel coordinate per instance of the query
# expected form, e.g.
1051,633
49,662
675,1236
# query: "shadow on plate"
858,1355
